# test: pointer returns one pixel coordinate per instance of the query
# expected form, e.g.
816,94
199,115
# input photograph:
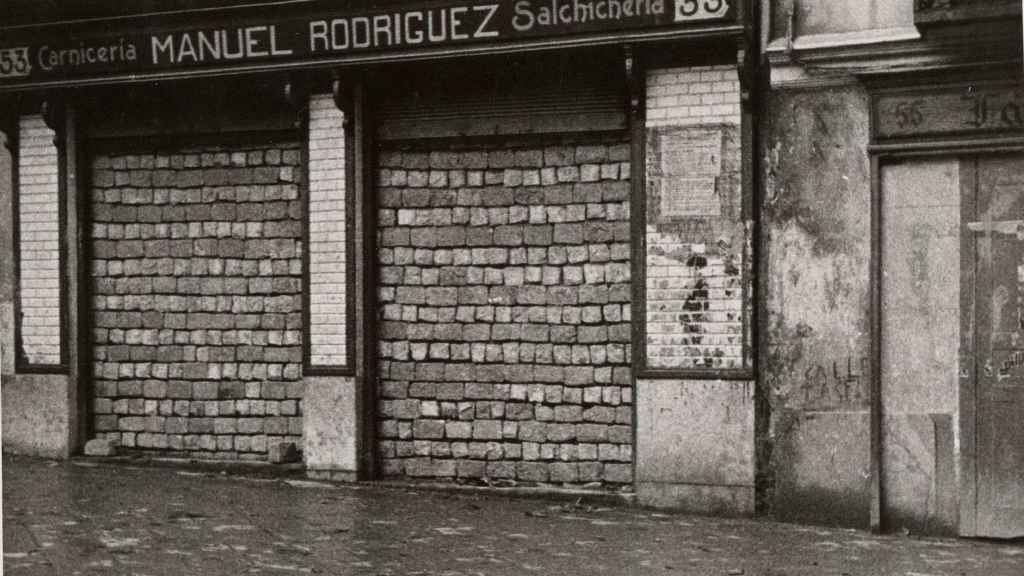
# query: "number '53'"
14,62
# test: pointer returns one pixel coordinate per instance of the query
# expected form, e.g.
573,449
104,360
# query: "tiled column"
695,418
331,432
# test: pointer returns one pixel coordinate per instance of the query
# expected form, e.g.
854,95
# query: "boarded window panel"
39,243
328,253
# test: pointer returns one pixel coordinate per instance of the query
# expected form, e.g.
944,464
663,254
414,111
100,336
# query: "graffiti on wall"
838,382
824,384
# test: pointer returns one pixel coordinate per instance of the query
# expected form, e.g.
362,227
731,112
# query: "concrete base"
697,499
330,427
822,468
695,445
332,475
919,474
38,415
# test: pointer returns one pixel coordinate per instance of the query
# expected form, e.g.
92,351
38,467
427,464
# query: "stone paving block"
282,452
101,447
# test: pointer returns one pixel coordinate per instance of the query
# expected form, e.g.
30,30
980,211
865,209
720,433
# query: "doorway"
952,369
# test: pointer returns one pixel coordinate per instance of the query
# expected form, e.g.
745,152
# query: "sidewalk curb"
255,469
548,492
297,472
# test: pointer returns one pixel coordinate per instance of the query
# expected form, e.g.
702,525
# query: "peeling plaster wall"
695,306
814,449
814,459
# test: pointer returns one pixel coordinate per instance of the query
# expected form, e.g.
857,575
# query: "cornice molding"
831,59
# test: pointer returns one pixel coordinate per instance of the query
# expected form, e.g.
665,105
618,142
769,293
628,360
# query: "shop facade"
488,242
529,243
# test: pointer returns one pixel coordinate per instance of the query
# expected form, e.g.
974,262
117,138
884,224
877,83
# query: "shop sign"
956,111
29,56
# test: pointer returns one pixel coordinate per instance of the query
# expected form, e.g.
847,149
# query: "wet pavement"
82,518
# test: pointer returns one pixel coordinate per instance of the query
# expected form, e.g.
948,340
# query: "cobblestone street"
86,518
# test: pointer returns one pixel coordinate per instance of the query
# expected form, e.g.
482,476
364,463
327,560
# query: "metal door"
994,410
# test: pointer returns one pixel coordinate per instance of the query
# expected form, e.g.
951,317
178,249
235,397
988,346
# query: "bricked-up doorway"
504,292
196,296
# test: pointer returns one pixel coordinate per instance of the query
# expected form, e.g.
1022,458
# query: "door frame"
967,401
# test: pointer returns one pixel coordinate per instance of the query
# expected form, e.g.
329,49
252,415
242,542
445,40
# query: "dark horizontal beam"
728,33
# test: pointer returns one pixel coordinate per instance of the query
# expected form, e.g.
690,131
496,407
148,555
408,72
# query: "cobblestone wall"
504,292
196,295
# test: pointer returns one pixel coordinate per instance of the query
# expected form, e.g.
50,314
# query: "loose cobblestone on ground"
87,518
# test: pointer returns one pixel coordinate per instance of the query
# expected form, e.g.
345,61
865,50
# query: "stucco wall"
814,261
815,454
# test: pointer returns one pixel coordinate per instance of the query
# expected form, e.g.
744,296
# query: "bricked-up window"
39,305
504,300
694,298
329,299
196,308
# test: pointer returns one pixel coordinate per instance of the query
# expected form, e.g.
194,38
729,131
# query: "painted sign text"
28,56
